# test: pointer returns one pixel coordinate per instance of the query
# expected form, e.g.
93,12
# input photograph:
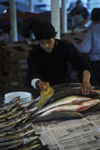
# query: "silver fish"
9,107
8,113
75,108
64,115
15,115
18,130
63,101
23,140
14,121
14,136
12,146
25,104
31,109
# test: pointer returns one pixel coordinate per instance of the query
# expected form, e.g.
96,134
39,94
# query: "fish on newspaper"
63,101
64,115
71,108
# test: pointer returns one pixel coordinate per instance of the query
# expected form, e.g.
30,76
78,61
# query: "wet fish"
9,137
25,104
39,147
12,146
15,115
28,140
8,113
34,146
23,127
4,115
64,86
73,108
64,93
7,128
63,101
10,102
13,100
31,103
14,122
24,140
9,107
58,116
18,129
2,119
93,109
16,135
28,132
31,109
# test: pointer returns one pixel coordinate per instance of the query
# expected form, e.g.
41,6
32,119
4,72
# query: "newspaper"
77,134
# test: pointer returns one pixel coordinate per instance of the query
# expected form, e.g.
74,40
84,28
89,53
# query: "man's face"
79,7
47,45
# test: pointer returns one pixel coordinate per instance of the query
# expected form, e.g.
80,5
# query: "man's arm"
83,22
39,85
86,86
86,45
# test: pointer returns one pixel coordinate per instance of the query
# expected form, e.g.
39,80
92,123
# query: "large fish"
73,108
63,101
64,86
93,109
64,115
68,92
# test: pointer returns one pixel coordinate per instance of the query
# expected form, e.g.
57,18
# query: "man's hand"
86,86
83,22
43,85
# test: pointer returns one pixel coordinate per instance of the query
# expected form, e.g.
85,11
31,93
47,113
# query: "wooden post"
64,17
31,5
13,20
55,16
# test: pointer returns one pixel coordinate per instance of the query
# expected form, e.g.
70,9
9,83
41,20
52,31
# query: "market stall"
67,120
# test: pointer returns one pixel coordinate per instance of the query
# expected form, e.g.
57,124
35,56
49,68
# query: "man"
79,16
49,61
91,45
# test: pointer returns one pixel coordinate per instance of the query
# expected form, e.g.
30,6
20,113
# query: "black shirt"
82,12
55,67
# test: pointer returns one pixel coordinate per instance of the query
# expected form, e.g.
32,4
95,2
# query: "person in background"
91,45
79,16
49,60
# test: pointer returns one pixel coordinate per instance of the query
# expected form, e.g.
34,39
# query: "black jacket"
55,67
